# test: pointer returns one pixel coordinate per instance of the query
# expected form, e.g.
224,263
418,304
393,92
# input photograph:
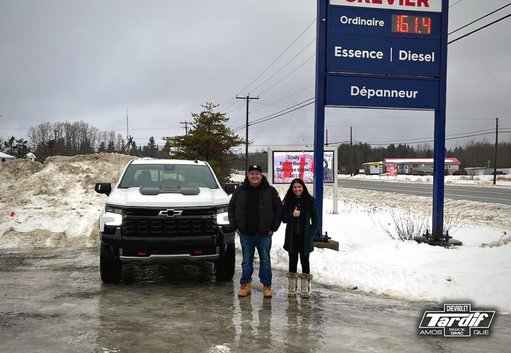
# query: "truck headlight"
112,216
112,209
222,216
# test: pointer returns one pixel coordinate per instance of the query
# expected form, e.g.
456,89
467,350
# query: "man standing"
255,211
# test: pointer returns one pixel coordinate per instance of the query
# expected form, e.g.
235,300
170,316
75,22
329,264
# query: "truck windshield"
156,175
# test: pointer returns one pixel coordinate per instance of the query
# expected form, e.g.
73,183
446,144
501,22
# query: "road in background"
493,194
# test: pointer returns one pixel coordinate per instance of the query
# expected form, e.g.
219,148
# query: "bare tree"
66,138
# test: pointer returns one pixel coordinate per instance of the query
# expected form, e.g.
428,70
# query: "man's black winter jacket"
270,208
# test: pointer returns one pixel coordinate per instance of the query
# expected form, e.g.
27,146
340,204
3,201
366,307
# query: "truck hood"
138,197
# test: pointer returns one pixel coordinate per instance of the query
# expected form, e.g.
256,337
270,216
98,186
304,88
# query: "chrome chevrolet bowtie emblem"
170,212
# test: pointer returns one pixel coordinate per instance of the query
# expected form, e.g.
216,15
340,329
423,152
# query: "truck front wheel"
109,265
224,266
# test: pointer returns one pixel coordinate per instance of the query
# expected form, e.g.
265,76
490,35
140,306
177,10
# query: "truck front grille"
151,223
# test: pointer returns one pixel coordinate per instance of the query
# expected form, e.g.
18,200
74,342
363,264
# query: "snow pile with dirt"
55,205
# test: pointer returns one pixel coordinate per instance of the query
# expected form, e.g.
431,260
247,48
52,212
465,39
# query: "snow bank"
54,204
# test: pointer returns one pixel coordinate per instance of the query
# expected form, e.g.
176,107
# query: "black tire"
110,267
224,266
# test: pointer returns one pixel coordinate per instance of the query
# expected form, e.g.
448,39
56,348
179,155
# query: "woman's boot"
305,284
293,283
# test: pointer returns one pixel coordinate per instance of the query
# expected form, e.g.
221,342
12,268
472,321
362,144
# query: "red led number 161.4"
411,24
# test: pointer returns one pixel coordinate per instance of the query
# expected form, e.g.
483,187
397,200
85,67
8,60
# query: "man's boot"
245,289
306,284
266,290
293,283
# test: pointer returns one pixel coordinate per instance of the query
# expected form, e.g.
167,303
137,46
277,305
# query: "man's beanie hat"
255,167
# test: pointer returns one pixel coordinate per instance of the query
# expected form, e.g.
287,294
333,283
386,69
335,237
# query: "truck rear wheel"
224,266
109,265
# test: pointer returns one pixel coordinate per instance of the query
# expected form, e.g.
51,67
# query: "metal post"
439,153
496,149
319,114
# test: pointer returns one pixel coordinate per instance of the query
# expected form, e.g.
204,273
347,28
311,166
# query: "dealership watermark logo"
456,320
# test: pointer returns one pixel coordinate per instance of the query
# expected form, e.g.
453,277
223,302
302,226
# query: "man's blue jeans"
248,245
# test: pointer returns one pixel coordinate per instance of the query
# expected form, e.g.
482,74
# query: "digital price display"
411,24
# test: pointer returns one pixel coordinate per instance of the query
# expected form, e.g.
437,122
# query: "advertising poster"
288,165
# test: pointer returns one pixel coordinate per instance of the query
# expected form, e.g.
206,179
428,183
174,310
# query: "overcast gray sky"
94,60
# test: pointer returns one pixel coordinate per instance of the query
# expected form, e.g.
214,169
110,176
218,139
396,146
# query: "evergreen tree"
102,147
208,139
134,151
151,150
16,147
111,147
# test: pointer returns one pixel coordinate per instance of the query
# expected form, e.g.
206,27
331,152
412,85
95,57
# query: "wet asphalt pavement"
53,301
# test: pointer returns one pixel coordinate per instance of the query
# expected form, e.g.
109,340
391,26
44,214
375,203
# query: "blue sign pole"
319,113
439,145
384,54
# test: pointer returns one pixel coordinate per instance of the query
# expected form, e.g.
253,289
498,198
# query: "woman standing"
301,217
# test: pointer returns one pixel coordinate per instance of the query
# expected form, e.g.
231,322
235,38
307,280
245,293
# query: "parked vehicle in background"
165,211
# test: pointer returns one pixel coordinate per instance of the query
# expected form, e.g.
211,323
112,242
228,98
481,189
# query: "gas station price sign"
384,37
383,54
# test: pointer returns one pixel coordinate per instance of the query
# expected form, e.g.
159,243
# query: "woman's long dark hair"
306,198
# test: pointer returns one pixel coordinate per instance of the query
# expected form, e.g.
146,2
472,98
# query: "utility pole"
496,148
128,137
127,127
351,150
247,98
185,123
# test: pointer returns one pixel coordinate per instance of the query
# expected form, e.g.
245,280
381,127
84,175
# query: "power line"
286,64
274,61
478,29
262,120
230,105
479,19
282,99
289,74
431,139
456,3
276,115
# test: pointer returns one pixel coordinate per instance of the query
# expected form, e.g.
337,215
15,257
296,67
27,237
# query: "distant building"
478,170
474,171
373,168
410,166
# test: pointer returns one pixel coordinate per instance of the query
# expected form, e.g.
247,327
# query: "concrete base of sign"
447,243
329,244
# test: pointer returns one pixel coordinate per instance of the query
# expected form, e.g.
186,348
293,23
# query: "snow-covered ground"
54,205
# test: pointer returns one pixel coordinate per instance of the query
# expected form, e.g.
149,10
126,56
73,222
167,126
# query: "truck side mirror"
103,188
230,187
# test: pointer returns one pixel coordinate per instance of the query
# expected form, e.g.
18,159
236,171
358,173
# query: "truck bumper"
163,249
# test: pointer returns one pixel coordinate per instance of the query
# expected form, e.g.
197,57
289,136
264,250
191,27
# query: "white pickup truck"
164,210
